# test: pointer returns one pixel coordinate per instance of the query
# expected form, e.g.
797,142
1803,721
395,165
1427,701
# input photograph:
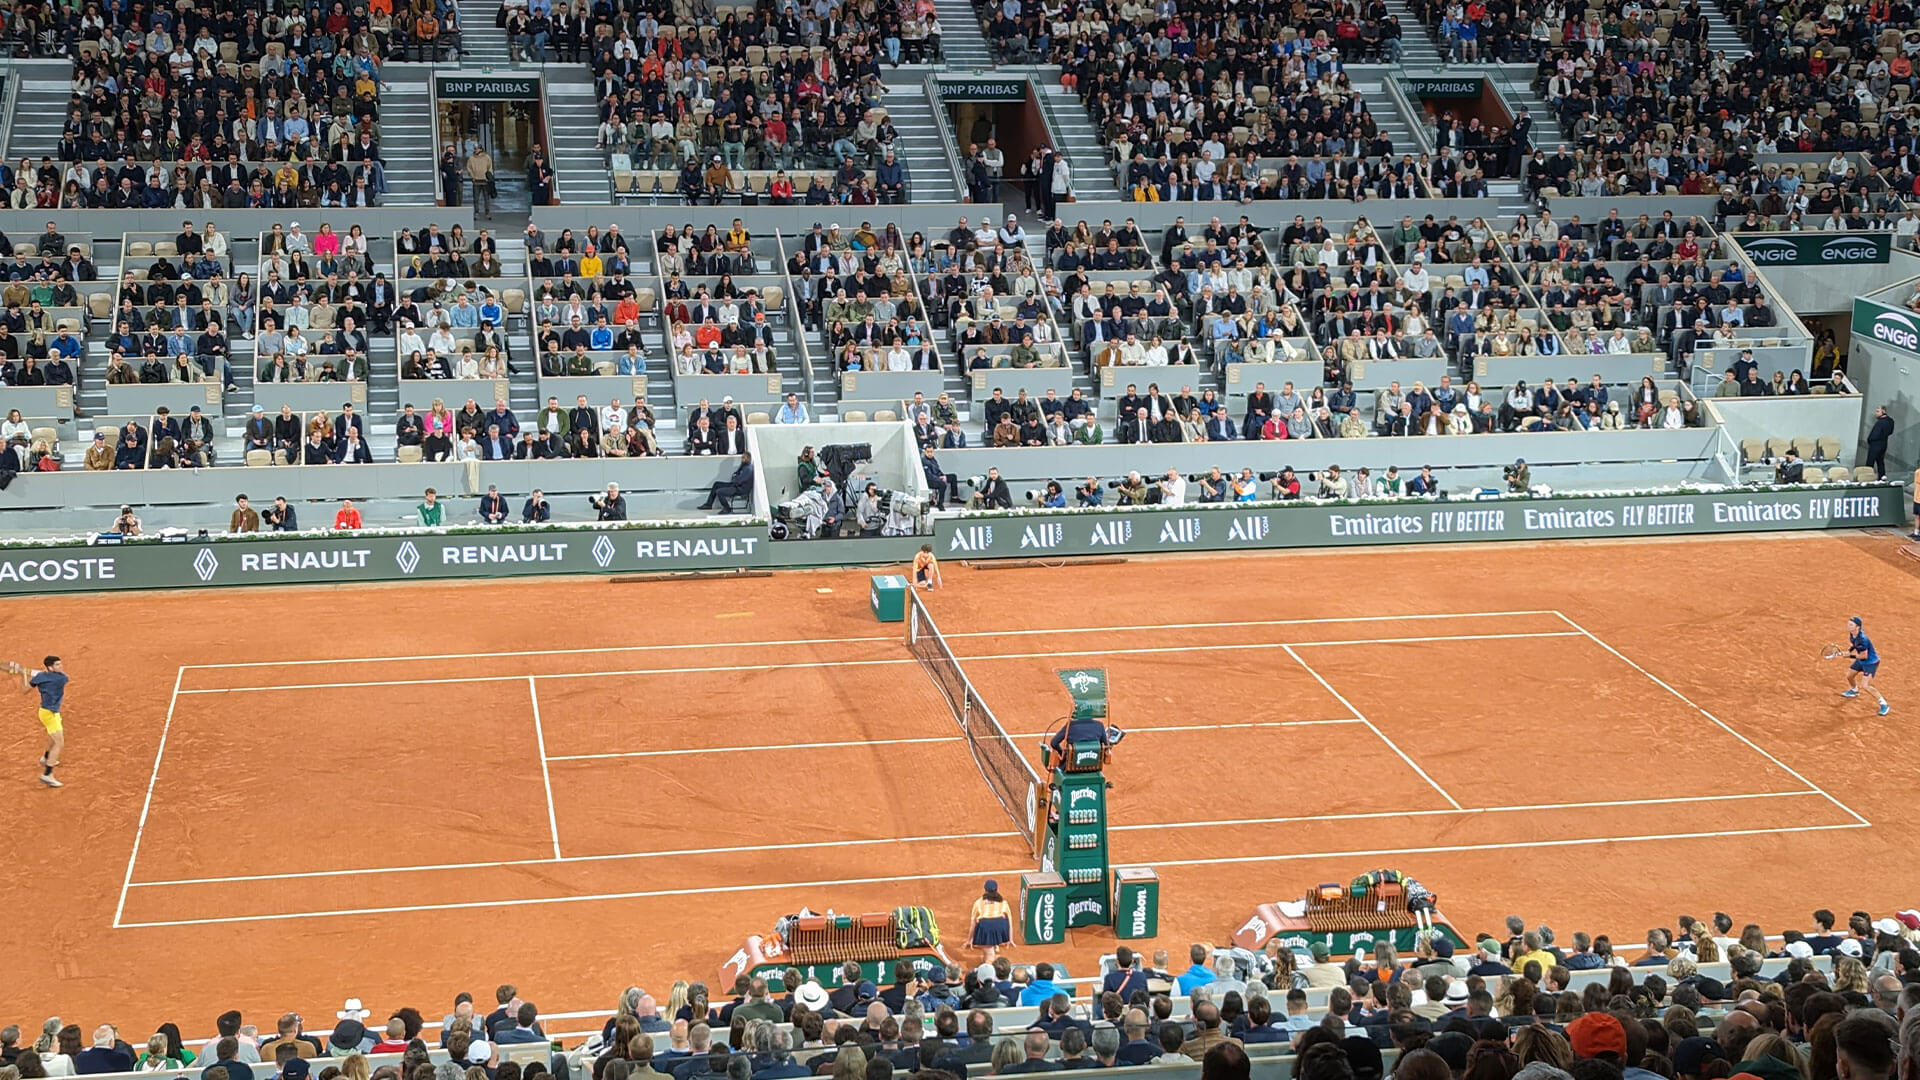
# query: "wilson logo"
1139,915
1897,329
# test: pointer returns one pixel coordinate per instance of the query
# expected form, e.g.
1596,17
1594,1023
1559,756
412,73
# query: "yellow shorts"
50,721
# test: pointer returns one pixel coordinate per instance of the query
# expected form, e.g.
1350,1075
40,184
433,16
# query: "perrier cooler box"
1136,902
1043,909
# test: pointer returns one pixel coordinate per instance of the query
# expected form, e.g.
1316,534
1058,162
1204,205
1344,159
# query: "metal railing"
938,106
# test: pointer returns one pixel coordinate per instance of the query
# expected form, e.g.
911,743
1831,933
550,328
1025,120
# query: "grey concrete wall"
1815,415
1891,377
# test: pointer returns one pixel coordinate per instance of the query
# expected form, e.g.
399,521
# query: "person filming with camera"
990,492
1519,477
612,506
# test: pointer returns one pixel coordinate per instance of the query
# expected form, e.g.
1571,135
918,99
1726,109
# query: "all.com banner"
341,560
1228,527
1816,248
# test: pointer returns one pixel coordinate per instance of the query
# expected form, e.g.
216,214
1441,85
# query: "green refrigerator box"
1136,902
888,597
1043,909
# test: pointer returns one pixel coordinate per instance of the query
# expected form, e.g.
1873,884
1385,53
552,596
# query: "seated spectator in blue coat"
107,1054
1199,974
526,1027
1041,989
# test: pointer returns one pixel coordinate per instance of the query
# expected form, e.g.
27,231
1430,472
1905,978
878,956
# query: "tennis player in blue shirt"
52,684
1866,664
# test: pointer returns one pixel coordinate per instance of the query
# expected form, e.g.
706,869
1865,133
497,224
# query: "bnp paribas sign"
1818,249
1887,325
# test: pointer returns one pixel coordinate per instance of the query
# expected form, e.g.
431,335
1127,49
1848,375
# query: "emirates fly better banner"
1228,527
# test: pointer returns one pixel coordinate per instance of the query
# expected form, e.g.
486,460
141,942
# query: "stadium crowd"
1835,1004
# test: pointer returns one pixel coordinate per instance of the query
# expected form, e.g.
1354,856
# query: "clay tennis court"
278,798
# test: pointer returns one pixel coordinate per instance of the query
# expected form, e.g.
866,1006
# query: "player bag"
917,928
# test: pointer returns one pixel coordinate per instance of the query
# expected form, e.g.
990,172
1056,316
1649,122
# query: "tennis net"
1005,768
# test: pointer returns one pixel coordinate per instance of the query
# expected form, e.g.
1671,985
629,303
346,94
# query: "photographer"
1088,494
1332,484
1133,490
1425,483
128,523
1519,477
1171,490
1246,488
991,493
1053,498
280,517
1286,486
612,506
1213,486
1790,469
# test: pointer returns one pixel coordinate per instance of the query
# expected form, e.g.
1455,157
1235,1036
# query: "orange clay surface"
641,775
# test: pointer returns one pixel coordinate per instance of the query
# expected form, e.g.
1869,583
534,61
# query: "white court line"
153,777
1721,724
540,736
1391,745
1468,811
852,640
977,874
947,838
613,857
1289,646
850,743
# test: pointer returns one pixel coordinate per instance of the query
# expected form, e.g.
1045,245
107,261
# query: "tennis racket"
13,668
1830,650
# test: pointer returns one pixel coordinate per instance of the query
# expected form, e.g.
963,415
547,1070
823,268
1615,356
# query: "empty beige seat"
1826,448
1777,447
1806,446
514,300
854,416
138,248
759,418
166,247
885,416
406,455
1864,474
100,304
604,367
1752,450
259,457
1838,474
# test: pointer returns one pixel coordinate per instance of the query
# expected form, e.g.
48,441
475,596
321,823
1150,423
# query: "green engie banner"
1817,248
1893,326
1227,527
295,559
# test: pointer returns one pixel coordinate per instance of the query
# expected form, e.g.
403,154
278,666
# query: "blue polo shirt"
53,688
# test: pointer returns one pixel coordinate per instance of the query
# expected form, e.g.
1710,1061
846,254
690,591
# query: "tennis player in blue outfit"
1866,664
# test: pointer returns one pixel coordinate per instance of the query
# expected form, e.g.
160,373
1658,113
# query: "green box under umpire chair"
1136,902
1043,909
888,597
